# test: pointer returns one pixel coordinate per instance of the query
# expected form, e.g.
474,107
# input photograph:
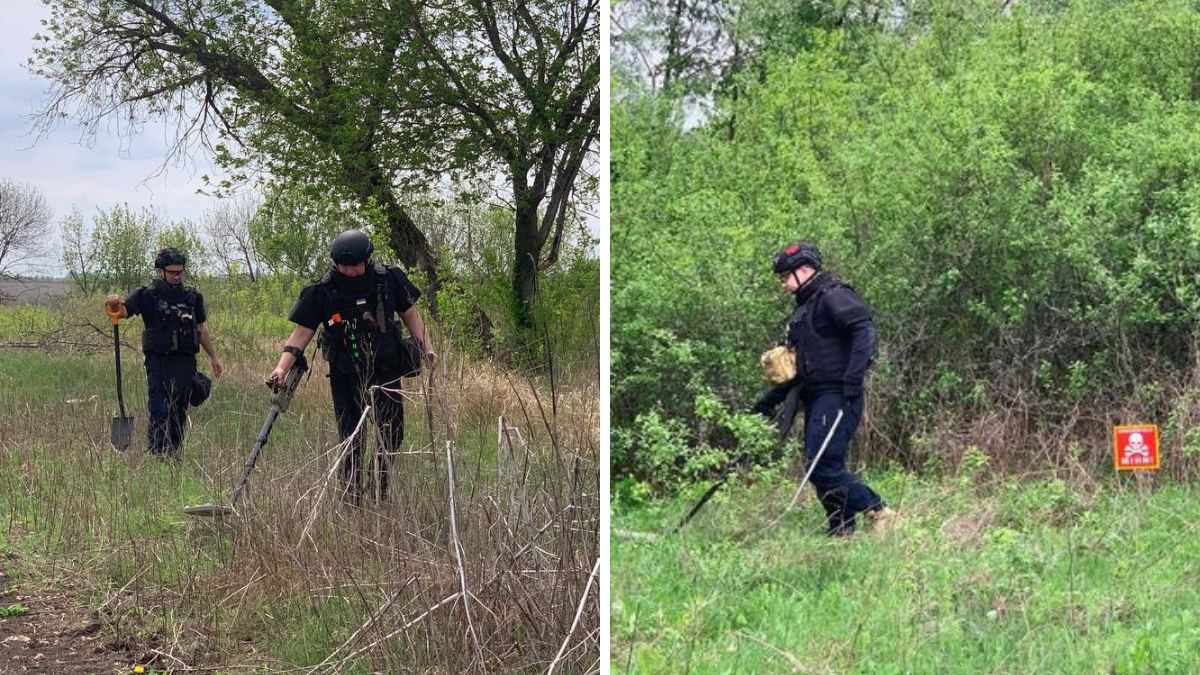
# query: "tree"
24,228
292,228
525,79
121,244
681,46
78,255
227,227
366,98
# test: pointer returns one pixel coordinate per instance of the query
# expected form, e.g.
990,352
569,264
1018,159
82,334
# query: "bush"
1012,193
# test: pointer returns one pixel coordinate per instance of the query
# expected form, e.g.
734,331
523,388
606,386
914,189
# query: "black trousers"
349,398
841,492
169,380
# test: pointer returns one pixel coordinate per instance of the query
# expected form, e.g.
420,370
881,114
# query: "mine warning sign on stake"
1135,447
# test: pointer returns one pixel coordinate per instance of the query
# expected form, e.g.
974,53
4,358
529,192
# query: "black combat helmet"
797,255
169,256
351,248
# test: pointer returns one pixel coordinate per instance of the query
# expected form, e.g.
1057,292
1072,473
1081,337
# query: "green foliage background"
1014,193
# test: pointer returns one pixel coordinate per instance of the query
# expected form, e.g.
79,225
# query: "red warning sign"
1135,447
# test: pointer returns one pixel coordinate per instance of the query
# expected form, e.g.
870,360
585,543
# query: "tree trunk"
525,263
413,248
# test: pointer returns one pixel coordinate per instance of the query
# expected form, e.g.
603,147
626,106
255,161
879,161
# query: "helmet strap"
801,284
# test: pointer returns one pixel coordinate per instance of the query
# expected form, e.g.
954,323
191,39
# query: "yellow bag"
779,364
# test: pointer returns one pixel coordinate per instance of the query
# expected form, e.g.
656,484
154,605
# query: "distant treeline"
255,253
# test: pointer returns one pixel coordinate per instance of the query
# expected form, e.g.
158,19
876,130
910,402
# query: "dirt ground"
58,635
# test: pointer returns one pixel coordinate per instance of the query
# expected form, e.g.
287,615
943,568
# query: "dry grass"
300,579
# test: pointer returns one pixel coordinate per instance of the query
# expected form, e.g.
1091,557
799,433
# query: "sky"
67,172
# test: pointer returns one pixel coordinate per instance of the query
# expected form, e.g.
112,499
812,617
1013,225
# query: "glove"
113,306
764,408
770,400
851,391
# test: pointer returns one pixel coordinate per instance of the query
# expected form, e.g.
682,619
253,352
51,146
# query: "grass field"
300,580
1016,577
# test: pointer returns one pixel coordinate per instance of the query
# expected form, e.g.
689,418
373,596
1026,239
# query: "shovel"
280,399
121,434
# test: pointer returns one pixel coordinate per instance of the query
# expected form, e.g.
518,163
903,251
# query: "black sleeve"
862,349
406,292
770,400
136,301
853,318
201,313
846,307
307,311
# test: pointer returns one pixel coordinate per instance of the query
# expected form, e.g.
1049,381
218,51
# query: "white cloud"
114,170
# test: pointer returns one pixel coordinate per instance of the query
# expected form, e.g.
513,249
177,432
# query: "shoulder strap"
381,313
326,284
821,292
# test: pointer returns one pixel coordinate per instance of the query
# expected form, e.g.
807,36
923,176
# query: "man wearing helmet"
355,303
834,338
176,329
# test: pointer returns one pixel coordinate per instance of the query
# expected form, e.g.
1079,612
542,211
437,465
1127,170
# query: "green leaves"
1013,194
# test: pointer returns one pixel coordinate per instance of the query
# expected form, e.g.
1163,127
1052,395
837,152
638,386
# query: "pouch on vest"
173,329
358,332
779,364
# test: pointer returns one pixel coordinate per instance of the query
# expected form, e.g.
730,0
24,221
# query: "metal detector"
280,399
729,470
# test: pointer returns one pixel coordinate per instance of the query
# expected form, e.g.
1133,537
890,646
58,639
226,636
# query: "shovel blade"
213,510
122,432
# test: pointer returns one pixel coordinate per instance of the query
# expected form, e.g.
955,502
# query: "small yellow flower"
139,669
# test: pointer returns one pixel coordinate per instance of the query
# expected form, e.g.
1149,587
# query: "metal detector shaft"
253,458
708,494
281,397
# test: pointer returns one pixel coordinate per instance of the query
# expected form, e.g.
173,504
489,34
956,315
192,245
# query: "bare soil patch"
57,635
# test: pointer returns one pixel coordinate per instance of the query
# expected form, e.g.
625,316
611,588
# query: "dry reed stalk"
344,446
337,667
459,555
370,622
578,613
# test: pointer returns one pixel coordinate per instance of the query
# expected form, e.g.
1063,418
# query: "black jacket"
834,337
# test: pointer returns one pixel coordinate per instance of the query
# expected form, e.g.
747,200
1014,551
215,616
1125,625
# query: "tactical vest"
358,331
822,360
170,322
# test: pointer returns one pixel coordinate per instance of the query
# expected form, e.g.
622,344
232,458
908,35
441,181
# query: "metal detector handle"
282,397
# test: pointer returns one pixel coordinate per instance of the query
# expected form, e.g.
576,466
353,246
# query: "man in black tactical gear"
355,303
834,338
176,329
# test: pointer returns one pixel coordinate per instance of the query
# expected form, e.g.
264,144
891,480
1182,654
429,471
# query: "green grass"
1035,577
13,610
111,524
